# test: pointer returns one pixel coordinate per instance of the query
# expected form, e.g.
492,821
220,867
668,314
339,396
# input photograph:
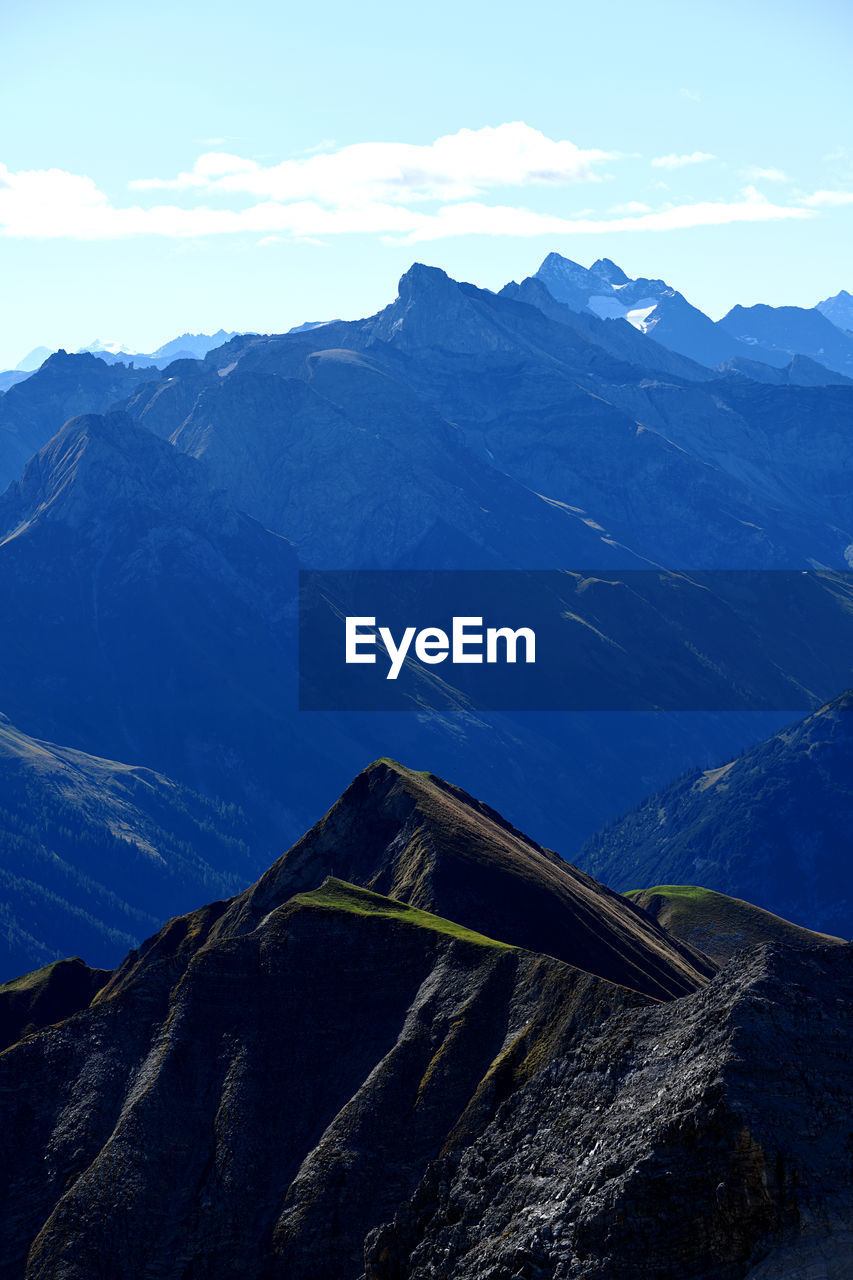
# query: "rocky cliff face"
707,1139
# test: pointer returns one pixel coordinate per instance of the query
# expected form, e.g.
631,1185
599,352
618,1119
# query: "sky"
183,168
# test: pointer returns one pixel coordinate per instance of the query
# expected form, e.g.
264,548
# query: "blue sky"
254,165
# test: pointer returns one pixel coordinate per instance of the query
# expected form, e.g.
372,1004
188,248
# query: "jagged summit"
838,309
608,269
421,278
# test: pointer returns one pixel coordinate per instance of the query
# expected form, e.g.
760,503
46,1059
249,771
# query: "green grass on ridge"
339,895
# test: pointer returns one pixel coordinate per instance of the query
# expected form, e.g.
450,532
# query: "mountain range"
420,1044
457,428
189,346
96,852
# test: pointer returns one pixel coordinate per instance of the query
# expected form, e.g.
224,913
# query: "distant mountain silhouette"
839,310
792,331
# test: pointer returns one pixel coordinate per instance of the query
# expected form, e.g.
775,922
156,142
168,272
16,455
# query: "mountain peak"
103,467
556,267
413,837
420,279
433,310
609,271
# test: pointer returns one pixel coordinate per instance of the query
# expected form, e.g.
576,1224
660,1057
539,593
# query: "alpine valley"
421,1045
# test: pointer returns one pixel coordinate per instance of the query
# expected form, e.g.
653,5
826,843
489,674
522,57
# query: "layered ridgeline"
189,346
773,827
96,853
317,1078
153,620
154,625
653,458
455,428
414,437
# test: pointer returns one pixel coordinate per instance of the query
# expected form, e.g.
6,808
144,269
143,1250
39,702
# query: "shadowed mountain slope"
660,463
706,1139
359,472
801,372
772,827
717,924
154,624
153,619
790,331
617,336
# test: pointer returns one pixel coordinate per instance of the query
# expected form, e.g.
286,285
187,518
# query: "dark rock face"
772,827
262,1114
707,1139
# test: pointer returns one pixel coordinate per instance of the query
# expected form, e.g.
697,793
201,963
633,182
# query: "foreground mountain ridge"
317,1078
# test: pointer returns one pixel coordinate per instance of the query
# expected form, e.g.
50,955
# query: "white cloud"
53,204
679,162
467,219
829,199
455,167
766,175
632,206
